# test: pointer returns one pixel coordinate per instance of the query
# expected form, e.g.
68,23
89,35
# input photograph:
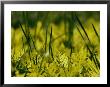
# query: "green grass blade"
96,32
25,36
51,43
83,29
96,62
46,40
32,42
85,42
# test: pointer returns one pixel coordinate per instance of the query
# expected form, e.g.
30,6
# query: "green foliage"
62,46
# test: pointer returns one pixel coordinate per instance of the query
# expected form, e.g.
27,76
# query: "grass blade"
83,29
46,40
92,57
85,42
32,42
50,44
96,32
97,63
27,39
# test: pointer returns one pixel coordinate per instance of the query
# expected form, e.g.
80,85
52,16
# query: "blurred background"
55,43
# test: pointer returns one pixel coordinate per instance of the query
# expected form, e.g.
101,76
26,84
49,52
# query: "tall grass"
92,55
51,51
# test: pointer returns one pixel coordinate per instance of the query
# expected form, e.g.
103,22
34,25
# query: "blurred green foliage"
55,44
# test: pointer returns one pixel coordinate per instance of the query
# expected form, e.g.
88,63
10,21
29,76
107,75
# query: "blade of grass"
25,35
85,42
32,41
92,55
50,44
83,29
96,32
96,61
46,39
97,64
25,19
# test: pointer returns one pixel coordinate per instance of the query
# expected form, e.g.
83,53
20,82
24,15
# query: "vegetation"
55,44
